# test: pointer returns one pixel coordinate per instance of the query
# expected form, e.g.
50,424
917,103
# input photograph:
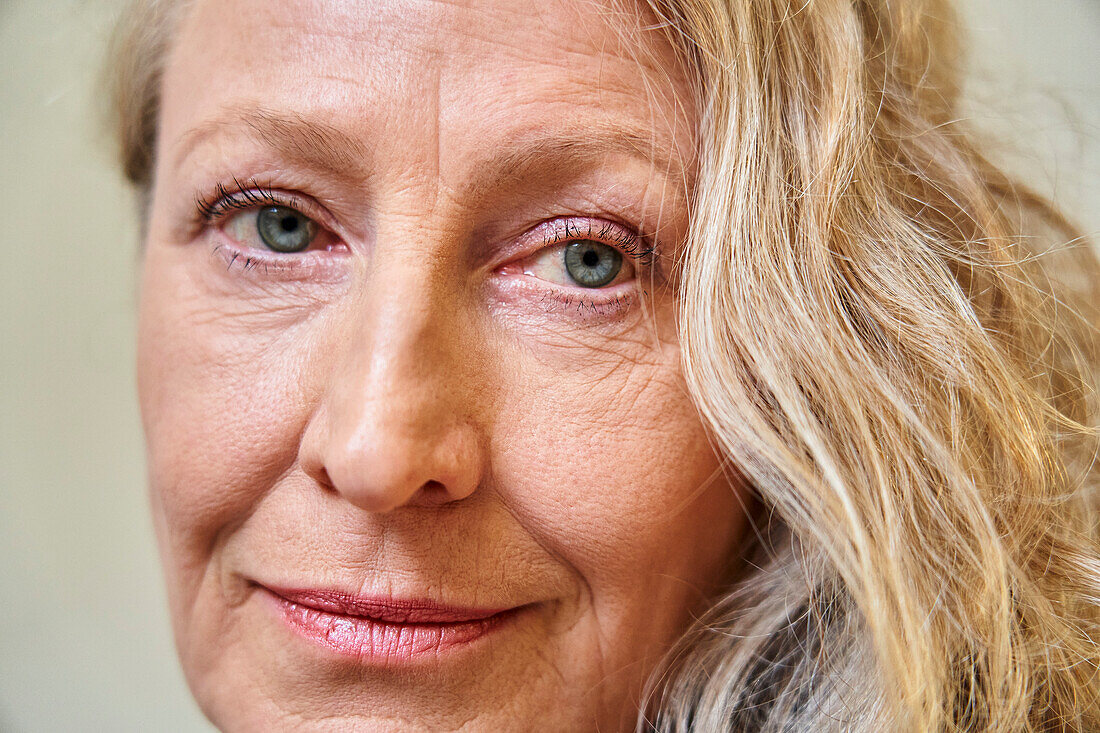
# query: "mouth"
384,631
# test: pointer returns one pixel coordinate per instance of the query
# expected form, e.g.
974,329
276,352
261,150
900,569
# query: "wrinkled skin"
420,405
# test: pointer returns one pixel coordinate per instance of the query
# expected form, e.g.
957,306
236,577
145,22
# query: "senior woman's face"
420,448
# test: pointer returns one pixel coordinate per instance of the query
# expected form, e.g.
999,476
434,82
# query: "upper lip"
385,609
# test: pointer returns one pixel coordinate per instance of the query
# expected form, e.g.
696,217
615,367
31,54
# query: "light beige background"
84,641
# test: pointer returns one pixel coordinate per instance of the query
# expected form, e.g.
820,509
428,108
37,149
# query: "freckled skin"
416,417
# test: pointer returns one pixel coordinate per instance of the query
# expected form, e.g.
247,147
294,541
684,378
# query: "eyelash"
241,197
639,248
215,208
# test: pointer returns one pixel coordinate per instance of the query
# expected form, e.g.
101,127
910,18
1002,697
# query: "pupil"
591,258
289,223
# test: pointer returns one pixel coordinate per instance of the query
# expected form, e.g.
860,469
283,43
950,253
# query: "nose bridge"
395,349
395,425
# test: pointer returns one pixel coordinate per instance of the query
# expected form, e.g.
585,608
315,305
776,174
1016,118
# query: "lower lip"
381,641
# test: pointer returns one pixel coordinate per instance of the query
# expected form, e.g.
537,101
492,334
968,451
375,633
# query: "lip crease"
383,630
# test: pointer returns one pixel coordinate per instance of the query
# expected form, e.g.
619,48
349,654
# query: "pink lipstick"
384,630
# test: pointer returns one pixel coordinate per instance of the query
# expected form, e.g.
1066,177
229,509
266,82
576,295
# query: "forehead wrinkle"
299,139
635,59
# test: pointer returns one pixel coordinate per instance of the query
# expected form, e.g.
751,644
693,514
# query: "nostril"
434,492
324,479
317,471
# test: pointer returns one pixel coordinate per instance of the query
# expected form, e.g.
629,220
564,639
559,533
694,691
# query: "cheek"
616,477
222,402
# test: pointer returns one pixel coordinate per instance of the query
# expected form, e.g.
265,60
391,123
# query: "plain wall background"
84,638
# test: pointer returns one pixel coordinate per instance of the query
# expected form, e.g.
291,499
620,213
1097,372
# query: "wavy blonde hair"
896,346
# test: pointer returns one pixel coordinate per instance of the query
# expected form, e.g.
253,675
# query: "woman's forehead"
462,75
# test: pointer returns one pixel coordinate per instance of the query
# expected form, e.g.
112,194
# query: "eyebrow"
300,140
311,142
588,145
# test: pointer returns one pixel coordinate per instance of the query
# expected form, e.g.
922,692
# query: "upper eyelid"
632,243
242,198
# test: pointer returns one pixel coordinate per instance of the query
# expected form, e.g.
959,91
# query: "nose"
395,425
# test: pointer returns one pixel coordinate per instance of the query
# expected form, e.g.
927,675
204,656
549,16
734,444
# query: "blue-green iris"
592,264
284,229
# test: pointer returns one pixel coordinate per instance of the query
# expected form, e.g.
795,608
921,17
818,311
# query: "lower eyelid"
518,290
311,265
584,307
583,303
248,258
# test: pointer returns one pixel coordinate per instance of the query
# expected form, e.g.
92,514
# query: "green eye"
283,229
592,264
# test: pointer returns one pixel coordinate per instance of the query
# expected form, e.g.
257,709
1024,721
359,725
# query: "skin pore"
424,403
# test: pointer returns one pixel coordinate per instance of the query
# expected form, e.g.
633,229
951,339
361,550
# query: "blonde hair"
895,345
